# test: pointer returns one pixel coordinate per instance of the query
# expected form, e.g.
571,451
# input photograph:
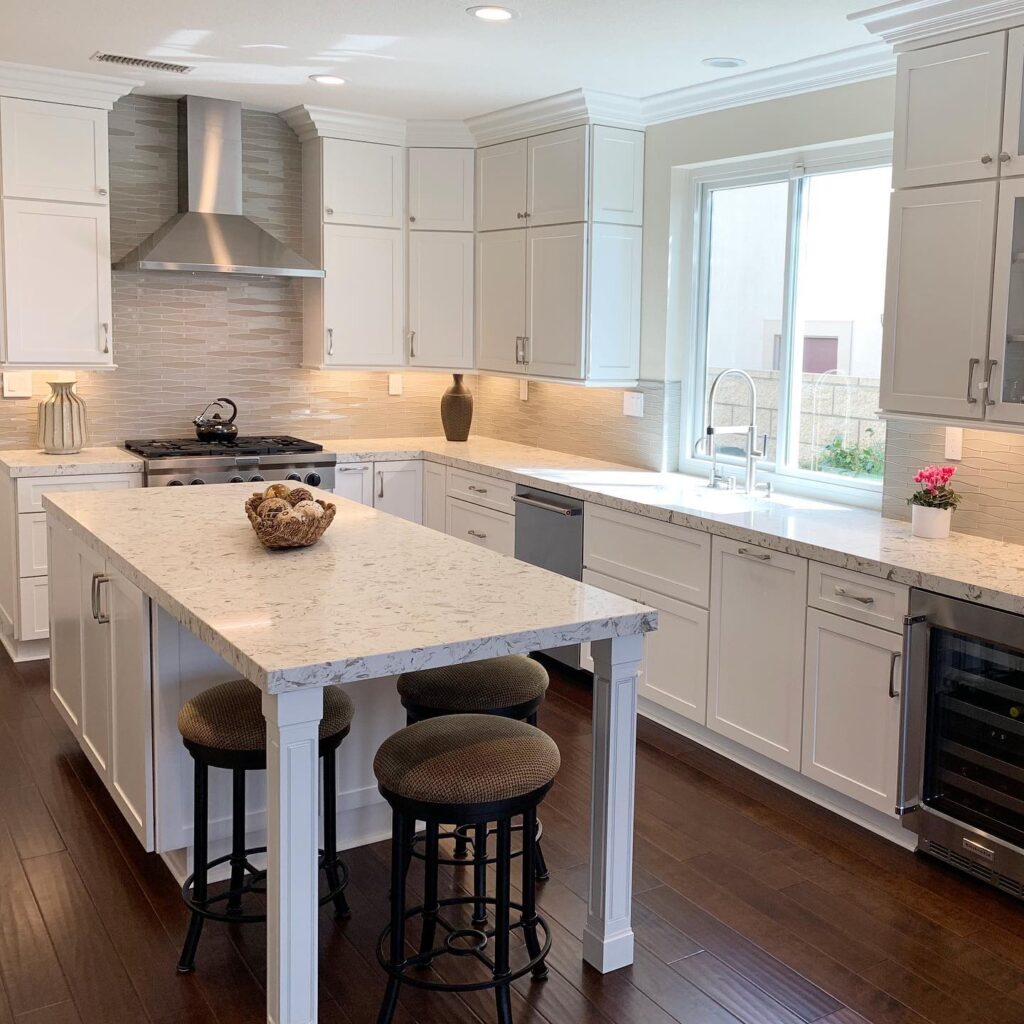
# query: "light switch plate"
954,443
18,384
394,383
632,403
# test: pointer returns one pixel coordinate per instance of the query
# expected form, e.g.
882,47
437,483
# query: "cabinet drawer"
484,527
667,559
34,608
32,544
854,595
30,490
481,490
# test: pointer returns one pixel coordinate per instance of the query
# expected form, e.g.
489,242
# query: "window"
790,280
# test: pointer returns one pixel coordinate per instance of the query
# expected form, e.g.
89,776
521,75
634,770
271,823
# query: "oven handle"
908,780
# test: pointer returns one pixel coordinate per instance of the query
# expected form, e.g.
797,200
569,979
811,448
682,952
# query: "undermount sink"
725,501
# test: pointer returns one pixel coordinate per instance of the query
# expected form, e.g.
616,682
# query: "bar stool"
476,769
513,686
223,727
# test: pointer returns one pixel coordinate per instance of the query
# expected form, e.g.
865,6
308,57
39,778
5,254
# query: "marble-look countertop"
376,597
989,572
28,462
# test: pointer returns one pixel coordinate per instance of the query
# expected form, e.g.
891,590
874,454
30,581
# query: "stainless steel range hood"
210,234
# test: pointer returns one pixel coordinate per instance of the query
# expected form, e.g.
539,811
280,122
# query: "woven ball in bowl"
284,531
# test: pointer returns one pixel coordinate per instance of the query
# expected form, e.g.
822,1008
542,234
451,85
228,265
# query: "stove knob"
313,479
256,479
197,481
294,476
176,483
236,480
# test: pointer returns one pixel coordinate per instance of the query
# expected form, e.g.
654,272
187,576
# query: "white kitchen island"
151,588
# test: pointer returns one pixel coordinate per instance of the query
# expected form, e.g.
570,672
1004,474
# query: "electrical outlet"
954,443
524,391
394,383
18,385
632,403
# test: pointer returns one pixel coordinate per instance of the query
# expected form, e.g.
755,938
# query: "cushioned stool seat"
230,717
482,686
466,759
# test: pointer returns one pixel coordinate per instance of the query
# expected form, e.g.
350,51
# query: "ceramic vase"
932,523
63,428
457,410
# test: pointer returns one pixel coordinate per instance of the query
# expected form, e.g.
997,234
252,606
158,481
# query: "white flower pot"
932,523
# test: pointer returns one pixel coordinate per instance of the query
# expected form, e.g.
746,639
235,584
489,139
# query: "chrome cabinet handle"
351,469
990,364
479,536
527,350
380,483
477,490
412,344
894,656
98,579
843,592
519,349
106,338
972,365
747,553
330,341
986,158
1004,157
93,595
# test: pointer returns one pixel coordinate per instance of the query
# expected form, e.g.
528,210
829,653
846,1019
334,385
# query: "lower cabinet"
354,481
398,488
756,656
435,489
852,708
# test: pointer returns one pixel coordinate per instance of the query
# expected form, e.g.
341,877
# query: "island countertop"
377,596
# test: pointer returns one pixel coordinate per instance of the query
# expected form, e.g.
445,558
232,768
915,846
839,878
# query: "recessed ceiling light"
327,79
723,62
490,12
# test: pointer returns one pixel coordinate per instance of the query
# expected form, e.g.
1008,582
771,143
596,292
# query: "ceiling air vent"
142,62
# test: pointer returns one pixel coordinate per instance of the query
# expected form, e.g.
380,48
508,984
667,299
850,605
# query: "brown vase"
457,410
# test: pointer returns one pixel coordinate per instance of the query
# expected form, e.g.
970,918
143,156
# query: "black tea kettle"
214,427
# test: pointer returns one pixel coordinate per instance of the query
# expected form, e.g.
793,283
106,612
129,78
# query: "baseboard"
25,650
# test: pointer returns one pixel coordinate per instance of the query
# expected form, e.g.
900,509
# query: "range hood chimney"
210,234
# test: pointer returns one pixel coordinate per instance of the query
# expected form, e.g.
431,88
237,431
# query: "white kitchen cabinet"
441,299
1011,153
618,176
53,151
94,650
484,527
756,655
938,288
33,609
46,244
441,193
555,300
354,481
435,487
557,177
363,297
398,488
501,300
949,112
852,708
501,186
613,338
480,489
363,183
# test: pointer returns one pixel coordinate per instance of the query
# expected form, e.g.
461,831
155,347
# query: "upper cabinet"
618,178
441,299
441,189
53,151
363,184
556,183
501,186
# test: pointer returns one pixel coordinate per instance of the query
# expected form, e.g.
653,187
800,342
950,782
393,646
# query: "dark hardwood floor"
751,906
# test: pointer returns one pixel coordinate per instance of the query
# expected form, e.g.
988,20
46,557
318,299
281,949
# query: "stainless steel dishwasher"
549,533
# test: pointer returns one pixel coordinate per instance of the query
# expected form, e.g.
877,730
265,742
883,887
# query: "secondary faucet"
715,478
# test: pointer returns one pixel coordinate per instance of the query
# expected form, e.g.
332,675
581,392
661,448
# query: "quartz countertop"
377,596
976,569
29,462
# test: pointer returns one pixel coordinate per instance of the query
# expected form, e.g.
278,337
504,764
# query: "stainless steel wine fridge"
961,785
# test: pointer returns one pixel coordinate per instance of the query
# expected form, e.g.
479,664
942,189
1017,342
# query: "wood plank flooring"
752,906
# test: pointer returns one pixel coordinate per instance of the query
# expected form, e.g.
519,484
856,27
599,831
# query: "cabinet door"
483,527
441,189
363,183
64,246
398,488
557,177
852,708
937,291
94,600
618,176
949,112
53,151
131,713
441,299
66,617
1011,156
1005,370
435,479
501,186
363,303
616,254
354,480
756,656
33,608
676,657
500,300
555,298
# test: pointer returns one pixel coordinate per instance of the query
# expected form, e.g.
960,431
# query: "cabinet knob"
1004,157
520,216
103,191
412,219
330,212
986,158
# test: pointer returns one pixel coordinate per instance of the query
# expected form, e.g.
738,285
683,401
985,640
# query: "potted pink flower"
932,506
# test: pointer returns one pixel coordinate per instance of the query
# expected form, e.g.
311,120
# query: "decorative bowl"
287,529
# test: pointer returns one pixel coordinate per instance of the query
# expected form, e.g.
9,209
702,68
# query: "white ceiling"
424,58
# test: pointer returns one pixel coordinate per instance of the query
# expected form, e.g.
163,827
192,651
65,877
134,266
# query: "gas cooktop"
189,447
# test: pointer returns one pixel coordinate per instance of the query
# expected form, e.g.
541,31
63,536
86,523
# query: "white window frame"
693,186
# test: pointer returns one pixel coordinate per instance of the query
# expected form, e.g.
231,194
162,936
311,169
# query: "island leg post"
293,742
608,936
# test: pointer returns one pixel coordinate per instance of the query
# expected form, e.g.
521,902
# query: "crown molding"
905,22
77,88
439,134
324,122
843,67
